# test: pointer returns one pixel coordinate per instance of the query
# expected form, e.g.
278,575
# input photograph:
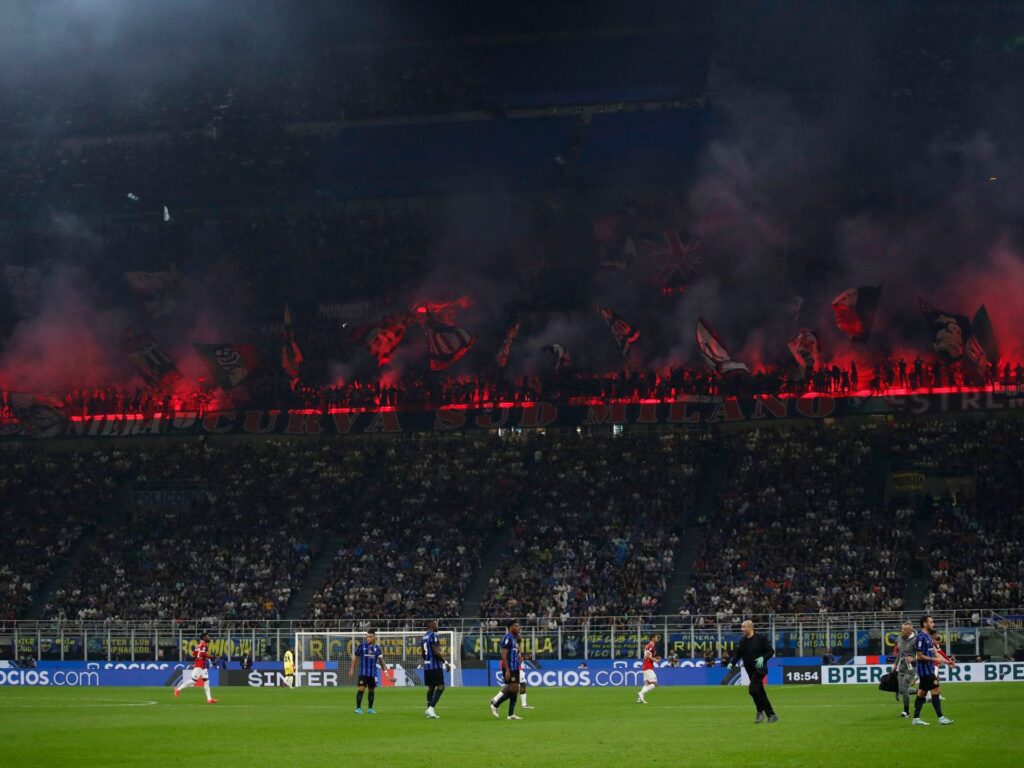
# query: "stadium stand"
414,543
237,547
594,524
977,540
598,530
798,528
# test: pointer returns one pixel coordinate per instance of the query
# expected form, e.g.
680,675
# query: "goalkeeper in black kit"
755,651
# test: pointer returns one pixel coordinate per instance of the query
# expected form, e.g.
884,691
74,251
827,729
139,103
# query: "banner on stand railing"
974,672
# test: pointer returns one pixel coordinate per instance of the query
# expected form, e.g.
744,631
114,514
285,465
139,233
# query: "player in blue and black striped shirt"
511,666
368,655
434,665
927,658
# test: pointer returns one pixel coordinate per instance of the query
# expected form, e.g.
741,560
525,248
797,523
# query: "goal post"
403,655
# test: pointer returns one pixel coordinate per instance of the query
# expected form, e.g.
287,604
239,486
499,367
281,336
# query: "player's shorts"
289,670
368,681
650,676
200,674
927,683
512,676
432,678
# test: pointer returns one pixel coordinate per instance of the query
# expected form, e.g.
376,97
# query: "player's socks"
501,697
206,687
369,699
437,697
512,705
937,703
359,699
523,700
918,705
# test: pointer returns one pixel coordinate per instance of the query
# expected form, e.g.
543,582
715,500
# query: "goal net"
403,656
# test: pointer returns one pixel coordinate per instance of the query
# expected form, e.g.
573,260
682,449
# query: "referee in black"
755,652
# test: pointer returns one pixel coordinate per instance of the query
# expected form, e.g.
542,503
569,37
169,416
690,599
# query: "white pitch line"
52,704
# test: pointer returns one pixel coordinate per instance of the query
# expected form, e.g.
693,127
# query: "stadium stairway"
916,588
60,573
691,532
917,584
318,574
477,590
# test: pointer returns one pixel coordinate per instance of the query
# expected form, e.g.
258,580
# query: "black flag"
624,333
40,415
982,348
950,332
446,344
154,365
715,355
230,364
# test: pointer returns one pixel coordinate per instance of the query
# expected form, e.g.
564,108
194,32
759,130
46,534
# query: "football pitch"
819,725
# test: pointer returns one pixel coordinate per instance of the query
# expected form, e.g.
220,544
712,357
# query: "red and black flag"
291,355
563,360
804,347
40,415
506,345
949,331
447,344
382,338
714,353
625,334
154,365
230,364
855,310
982,348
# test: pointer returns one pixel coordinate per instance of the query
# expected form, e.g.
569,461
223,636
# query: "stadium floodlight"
403,655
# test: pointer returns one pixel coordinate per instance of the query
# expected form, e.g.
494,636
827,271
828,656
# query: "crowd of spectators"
597,531
976,549
418,535
800,527
199,530
791,519
47,500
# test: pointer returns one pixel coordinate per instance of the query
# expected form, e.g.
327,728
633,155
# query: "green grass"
820,725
